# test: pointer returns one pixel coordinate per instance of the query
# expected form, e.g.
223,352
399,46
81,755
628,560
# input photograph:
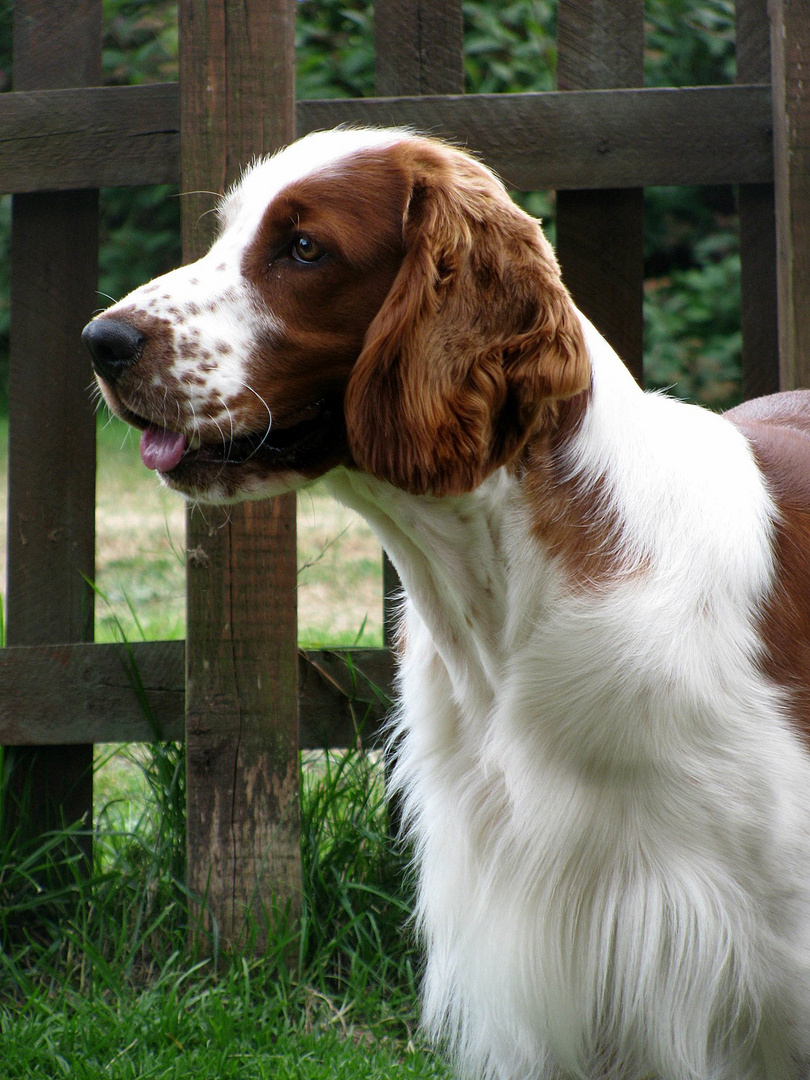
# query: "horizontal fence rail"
107,693
128,135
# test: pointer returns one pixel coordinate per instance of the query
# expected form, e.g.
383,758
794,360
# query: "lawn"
97,977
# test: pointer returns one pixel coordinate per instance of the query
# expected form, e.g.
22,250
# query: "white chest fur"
608,806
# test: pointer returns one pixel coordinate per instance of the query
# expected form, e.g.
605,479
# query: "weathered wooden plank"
418,48
760,334
345,696
51,466
589,138
790,55
94,137
56,45
577,139
600,44
600,234
109,693
92,693
237,101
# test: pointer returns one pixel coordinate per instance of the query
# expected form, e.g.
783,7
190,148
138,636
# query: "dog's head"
374,300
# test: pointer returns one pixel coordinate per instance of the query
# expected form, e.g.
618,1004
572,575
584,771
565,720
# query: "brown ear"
476,336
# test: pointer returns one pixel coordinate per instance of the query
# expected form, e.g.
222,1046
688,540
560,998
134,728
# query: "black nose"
114,346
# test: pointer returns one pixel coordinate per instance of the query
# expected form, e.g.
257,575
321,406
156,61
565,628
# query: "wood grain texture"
110,693
581,139
237,101
600,234
760,334
790,57
56,45
237,98
600,44
588,139
242,712
102,693
418,47
51,466
87,138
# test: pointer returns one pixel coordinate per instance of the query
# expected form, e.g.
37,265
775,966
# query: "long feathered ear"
475,339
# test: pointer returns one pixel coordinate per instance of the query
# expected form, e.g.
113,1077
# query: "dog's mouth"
188,462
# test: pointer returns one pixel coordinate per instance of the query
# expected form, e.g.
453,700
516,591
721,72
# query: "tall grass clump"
355,941
98,965
66,924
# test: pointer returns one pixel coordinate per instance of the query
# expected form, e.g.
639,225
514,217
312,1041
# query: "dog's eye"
306,250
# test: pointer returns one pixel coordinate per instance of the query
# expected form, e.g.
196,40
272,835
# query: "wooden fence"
233,689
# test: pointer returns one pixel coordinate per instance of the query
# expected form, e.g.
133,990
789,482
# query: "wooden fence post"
51,470
760,337
790,59
237,101
600,238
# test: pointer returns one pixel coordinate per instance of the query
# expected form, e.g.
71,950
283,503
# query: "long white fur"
610,809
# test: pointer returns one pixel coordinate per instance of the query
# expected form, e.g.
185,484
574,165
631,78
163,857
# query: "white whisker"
269,421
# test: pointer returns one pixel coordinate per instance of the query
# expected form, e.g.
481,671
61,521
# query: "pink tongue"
161,449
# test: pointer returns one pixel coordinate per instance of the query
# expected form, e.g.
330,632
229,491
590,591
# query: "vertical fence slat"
790,59
418,48
51,470
237,100
760,337
600,45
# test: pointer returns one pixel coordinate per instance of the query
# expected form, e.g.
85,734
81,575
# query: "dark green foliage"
510,47
689,43
139,227
334,46
140,42
693,341
139,238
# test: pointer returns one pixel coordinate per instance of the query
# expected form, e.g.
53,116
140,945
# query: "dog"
604,682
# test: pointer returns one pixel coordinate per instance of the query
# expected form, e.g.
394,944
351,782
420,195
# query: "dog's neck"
456,555
450,556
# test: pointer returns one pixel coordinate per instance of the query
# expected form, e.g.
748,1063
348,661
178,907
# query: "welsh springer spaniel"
605,674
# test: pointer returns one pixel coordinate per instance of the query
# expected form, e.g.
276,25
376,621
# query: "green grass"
140,571
198,1029
97,978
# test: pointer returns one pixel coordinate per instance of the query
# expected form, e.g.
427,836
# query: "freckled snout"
114,345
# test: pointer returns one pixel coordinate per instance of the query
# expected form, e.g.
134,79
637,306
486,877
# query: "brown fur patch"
475,337
573,521
353,212
778,429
